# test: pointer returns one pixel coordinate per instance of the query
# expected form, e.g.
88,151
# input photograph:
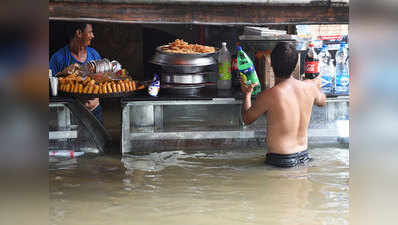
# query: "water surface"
201,187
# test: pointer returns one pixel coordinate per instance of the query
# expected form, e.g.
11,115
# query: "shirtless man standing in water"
288,107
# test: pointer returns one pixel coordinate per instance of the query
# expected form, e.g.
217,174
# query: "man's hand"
91,104
247,89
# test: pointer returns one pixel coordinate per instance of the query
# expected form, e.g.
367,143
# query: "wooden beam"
198,14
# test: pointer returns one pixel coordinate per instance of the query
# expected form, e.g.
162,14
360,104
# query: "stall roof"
219,12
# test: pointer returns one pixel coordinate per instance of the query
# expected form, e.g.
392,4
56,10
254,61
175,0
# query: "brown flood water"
201,187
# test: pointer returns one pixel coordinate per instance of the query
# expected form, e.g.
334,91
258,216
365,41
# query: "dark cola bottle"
311,63
235,71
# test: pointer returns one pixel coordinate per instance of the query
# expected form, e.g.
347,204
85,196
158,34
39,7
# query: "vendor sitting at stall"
77,51
288,107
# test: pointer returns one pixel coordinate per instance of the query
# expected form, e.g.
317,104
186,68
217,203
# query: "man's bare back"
288,107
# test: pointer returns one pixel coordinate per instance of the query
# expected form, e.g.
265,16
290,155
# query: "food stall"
189,112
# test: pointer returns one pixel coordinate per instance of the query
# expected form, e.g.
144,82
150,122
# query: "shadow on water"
203,187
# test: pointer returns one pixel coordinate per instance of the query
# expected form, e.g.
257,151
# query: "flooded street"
199,187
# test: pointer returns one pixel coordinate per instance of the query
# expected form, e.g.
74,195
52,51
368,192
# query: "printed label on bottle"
224,71
234,64
311,67
342,84
326,82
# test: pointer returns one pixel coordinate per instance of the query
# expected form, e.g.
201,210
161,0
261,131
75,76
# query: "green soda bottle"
247,70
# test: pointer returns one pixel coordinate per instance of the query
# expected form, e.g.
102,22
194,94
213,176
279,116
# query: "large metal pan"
183,63
198,78
182,89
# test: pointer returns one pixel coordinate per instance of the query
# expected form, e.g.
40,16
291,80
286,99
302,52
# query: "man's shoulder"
93,52
268,93
90,49
59,54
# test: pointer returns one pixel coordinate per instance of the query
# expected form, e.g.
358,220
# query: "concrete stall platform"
211,120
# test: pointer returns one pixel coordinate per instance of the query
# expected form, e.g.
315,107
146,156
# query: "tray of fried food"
72,69
73,85
109,76
182,47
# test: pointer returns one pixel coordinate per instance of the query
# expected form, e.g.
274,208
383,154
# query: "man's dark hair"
284,59
73,27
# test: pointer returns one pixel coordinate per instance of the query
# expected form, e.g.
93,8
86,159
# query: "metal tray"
159,49
111,95
183,63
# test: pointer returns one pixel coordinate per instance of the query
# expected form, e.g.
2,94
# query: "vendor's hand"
247,89
91,104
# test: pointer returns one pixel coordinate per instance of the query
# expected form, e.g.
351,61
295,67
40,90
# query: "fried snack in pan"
79,79
80,88
141,87
182,47
118,88
109,85
127,85
86,80
90,89
132,85
76,87
92,82
72,87
68,86
105,88
122,86
85,90
101,89
96,89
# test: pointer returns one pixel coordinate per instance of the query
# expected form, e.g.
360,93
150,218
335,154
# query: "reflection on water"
207,187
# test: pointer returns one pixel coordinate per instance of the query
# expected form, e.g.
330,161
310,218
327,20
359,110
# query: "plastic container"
224,68
342,81
311,63
247,70
325,71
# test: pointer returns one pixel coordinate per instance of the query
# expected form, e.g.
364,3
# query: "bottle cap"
239,48
223,43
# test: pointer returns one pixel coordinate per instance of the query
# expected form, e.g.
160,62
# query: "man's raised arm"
251,112
320,97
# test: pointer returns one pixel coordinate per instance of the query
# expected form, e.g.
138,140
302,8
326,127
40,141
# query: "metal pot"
183,63
183,89
184,78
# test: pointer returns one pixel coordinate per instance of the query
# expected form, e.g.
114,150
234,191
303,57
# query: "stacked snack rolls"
76,84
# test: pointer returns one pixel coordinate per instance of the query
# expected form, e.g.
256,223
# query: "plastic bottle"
324,71
224,68
332,69
235,71
311,63
342,82
247,70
